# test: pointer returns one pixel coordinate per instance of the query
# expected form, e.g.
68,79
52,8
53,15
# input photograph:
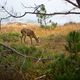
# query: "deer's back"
27,32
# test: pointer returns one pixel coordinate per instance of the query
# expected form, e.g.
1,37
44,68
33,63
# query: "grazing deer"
28,32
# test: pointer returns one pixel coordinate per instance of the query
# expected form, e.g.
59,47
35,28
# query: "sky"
51,6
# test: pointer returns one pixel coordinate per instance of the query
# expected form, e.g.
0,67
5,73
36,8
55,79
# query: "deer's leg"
31,39
25,39
21,38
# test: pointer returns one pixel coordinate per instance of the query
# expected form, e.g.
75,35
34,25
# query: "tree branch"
26,6
72,3
55,13
38,78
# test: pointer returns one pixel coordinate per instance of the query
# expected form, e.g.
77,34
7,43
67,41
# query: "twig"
72,3
40,77
38,60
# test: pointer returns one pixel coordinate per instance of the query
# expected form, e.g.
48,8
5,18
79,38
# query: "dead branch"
38,60
78,2
35,8
26,6
72,3
23,55
7,47
40,77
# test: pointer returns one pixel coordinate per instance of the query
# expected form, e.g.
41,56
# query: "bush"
13,37
64,68
28,50
73,42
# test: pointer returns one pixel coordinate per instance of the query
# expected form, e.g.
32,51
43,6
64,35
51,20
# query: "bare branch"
35,8
78,2
26,6
38,78
72,3
5,3
55,13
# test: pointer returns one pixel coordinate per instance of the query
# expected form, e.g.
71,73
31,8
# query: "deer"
30,33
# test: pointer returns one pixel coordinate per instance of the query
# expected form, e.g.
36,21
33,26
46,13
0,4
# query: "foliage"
32,50
54,24
64,68
9,37
41,17
73,42
28,50
49,26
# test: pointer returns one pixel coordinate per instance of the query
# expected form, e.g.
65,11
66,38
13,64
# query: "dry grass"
52,40
60,30
55,42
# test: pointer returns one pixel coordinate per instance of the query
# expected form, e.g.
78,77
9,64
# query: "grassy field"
51,46
49,38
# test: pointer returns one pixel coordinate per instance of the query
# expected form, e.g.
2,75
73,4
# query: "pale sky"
51,6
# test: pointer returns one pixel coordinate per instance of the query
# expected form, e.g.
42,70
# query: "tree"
73,42
42,14
41,17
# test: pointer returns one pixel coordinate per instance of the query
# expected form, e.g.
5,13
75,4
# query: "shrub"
13,37
73,42
64,68
28,50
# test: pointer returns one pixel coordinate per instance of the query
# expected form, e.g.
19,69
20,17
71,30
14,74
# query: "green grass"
9,37
62,67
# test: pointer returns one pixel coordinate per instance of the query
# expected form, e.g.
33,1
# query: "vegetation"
51,60
73,42
51,26
64,68
41,17
9,37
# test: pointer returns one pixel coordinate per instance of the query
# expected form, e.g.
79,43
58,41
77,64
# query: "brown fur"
30,33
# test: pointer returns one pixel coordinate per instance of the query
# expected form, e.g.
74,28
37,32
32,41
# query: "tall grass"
9,37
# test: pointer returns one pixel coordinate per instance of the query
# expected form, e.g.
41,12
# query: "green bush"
73,42
64,68
28,50
13,37
61,68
